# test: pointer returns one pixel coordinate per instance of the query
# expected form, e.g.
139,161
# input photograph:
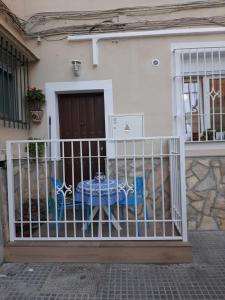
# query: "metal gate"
136,193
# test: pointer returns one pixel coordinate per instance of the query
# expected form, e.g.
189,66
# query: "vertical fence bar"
29,189
90,176
108,197
183,189
144,186
38,191
64,194
117,187
56,196
126,180
21,189
46,188
135,191
162,186
73,191
153,188
82,192
11,199
172,179
100,193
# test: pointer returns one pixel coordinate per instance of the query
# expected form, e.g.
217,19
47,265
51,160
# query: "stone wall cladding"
205,179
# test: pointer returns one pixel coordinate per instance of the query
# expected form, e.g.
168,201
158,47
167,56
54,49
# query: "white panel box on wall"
127,126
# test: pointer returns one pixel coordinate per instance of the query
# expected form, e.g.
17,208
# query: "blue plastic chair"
57,184
132,202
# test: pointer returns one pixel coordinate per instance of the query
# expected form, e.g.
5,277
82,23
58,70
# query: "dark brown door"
81,116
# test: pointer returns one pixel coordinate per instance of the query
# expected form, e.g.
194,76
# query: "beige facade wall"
137,85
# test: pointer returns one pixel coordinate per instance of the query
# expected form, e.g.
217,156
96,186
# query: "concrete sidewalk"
203,279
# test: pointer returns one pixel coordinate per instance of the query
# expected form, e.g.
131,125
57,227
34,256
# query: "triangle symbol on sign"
127,128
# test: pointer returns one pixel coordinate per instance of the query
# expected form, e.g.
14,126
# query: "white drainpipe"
95,38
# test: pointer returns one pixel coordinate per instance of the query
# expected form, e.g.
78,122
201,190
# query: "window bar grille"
16,87
24,89
14,82
198,104
27,87
190,99
21,92
202,81
3,81
13,88
220,95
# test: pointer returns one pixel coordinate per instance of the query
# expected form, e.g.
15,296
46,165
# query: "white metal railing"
96,189
200,92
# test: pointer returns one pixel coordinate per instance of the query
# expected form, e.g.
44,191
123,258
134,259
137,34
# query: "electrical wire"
133,26
109,20
17,22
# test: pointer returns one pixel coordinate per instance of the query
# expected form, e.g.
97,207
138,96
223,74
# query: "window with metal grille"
14,84
200,92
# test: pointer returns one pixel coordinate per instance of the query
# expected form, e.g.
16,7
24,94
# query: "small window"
13,85
200,78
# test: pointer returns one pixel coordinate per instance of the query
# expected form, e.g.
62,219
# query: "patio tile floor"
203,279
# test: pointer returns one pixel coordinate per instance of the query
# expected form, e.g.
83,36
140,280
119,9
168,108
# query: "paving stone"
202,279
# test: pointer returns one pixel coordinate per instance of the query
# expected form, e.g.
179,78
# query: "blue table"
100,194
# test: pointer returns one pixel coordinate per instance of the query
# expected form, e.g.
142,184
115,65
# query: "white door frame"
52,89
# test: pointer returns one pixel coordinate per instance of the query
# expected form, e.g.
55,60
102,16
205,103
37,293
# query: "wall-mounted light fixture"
76,67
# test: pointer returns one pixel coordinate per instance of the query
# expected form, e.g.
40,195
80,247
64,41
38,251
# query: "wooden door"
81,116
